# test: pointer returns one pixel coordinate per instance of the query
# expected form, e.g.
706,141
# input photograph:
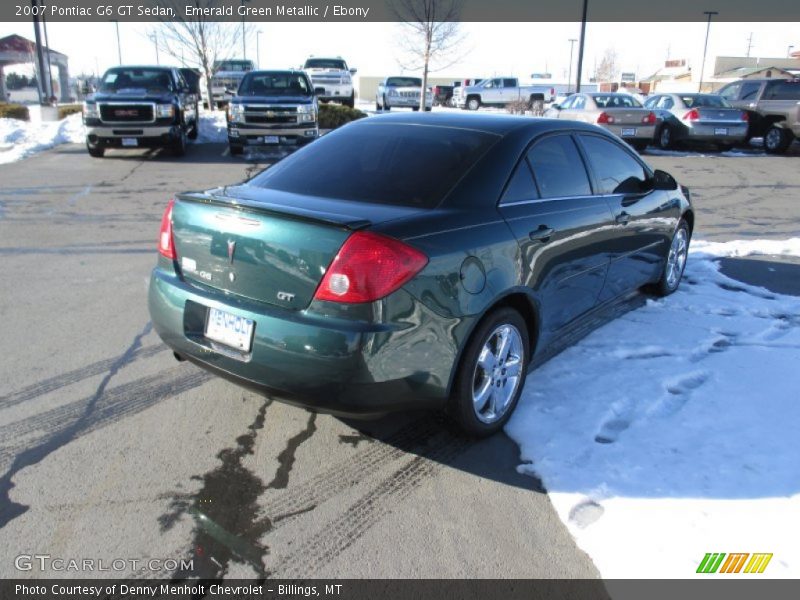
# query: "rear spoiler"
340,221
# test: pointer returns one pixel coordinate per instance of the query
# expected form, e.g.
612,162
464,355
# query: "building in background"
16,50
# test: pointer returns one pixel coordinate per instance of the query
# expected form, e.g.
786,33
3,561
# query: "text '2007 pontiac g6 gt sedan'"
414,261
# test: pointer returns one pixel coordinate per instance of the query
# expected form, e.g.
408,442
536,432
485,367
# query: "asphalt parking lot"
111,449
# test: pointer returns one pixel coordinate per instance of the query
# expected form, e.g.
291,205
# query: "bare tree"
433,35
200,42
608,70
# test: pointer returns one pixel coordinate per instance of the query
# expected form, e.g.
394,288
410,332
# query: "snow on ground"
672,431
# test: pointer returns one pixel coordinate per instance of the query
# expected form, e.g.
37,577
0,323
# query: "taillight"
692,115
166,245
745,117
369,267
650,119
605,118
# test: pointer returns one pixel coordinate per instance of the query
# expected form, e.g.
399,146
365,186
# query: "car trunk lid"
627,116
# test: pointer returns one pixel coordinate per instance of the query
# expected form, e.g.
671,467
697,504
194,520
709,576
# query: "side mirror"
230,91
353,71
664,181
319,91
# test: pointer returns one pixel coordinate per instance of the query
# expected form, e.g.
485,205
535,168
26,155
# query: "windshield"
404,82
381,163
696,100
274,84
325,63
116,80
616,101
234,65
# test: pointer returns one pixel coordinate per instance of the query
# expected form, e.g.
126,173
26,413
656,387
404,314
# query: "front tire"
675,262
235,149
179,145
473,103
386,106
96,151
777,140
491,374
351,101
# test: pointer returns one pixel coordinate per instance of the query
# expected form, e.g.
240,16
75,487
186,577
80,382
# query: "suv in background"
140,107
272,107
332,79
401,91
227,76
773,108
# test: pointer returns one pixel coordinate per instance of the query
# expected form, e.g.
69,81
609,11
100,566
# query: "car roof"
497,124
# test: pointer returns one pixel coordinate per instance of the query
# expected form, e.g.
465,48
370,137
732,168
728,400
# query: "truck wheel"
179,145
235,149
777,140
536,105
96,151
377,106
194,131
415,108
473,103
386,104
351,101
428,108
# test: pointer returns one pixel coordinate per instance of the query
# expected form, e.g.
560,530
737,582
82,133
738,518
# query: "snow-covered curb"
20,139
672,431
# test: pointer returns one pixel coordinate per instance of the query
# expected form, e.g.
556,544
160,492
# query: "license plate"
130,142
629,132
720,131
272,139
230,330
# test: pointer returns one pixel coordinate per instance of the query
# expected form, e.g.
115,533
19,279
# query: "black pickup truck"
273,107
140,107
443,95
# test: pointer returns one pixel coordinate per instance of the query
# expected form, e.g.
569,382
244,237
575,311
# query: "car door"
186,99
561,229
492,92
568,108
510,91
644,218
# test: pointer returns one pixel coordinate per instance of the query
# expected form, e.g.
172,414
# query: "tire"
235,149
639,146
666,138
386,104
479,417
473,103
178,146
95,151
377,106
777,140
351,101
671,279
415,108
193,132
536,105
428,108
724,147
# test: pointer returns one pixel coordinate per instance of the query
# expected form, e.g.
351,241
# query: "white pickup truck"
501,91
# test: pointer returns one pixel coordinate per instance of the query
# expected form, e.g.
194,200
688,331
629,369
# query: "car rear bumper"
326,364
720,133
640,132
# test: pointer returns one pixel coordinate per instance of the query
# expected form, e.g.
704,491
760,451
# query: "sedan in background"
414,261
697,118
621,114
396,92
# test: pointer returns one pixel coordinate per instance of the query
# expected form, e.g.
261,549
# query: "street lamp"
569,77
119,45
258,49
154,36
788,50
244,40
581,45
709,13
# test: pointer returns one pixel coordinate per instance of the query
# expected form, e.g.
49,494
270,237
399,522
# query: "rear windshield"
404,82
401,165
783,90
616,101
274,84
234,65
325,63
139,79
695,101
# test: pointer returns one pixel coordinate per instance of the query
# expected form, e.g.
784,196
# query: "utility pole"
569,77
119,45
258,49
154,36
50,93
789,52
37,34
710,14
244,37
581,45
749,44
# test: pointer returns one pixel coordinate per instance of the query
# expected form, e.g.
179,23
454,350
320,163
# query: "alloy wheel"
498,373
676,260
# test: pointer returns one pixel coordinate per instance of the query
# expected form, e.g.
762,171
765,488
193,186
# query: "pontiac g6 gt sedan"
414,261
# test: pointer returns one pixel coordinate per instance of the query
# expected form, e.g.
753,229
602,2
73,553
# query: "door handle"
623,218
543,234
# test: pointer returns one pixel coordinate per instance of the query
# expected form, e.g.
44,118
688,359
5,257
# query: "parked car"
773,108
193,79
138,107
459,86
332,79
696,118
620,114
403,91
227,76
272,107
443,95
414,261
501,91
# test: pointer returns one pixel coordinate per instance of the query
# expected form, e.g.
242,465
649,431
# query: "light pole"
258,49
581,45
119,45
154,36
788,50
710,14
244,37
569,77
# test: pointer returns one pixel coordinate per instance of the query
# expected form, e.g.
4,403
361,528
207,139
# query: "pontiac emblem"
231,250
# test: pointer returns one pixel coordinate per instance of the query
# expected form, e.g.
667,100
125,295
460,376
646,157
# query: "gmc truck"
501,91
773,109
272,107
228,74
332,79
140,107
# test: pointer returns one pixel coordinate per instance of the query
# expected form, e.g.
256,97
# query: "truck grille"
326,79
409,94
270,116
127,113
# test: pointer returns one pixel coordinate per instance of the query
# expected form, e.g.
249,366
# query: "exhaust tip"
179,357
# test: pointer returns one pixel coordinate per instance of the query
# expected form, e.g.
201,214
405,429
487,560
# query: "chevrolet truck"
501,91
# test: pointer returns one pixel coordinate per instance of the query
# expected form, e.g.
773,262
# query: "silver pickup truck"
501,91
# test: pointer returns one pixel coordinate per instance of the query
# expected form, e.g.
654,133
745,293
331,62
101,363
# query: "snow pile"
213,127
673,430
19,139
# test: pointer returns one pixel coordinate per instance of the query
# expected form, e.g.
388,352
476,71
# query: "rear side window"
617,171
558,168
521,186
402,165
750,90
783,90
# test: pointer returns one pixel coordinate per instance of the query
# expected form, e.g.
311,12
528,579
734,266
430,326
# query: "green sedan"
414,261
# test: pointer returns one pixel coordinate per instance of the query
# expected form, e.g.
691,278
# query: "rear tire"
485,392
235,149
666,138
639,146
777,140
724,147
674,262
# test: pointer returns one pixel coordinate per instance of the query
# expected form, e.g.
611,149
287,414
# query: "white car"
401,91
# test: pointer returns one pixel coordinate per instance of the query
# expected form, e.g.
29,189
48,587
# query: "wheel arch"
688,216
